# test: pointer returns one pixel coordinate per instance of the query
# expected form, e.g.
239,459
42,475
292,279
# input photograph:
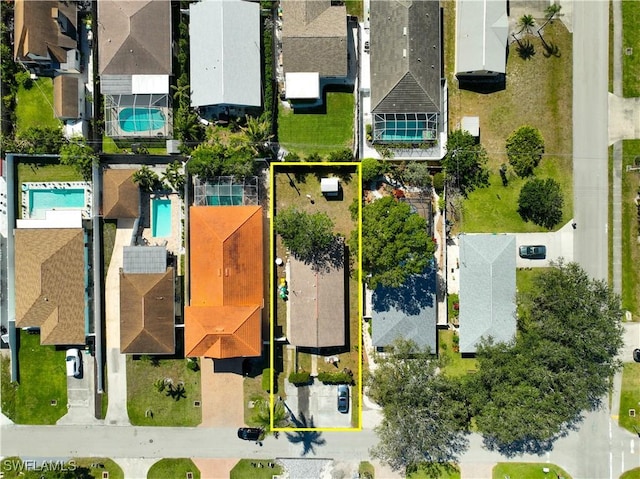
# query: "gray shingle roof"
487,289
482,30
407,312
225,53
405,56
314,37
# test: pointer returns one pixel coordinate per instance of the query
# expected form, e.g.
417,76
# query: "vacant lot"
630,218
538,93
323,132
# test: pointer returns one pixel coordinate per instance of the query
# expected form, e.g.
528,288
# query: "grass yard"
630,246
249,469
455,365
173,468
630,397
42,379
306,133
632,474
422,473
14,468
528,470
142,394
109,145
538,93
354,7
630,39
35,106
366,470
525,277
114,470
32,172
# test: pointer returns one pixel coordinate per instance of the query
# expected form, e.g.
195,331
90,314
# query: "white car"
73,363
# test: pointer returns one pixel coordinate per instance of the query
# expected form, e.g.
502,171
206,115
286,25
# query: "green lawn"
630,39
455,365
365,468
528,470
306,133
114,470
525,277
42,379
632,474
108,241
630,397
155,147
142,395
630,247
35,105
247,469
422,473
177,468
354,7
14,468
28,172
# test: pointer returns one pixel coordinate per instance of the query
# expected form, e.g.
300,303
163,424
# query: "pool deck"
173,242
61,185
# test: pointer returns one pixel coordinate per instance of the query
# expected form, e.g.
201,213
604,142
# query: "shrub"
438,182
338,377
524,150
300,379
266,379
192,364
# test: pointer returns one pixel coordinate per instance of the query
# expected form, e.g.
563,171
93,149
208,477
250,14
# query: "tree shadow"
309,439
324,260
416,294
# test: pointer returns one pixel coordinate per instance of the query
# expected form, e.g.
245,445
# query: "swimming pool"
41,200
134,120
160,218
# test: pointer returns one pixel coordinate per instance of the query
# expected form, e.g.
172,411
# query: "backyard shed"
329,186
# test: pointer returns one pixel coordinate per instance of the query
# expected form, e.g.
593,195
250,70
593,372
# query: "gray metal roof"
225,53
487,289
482,31
144,259
405,56
407,312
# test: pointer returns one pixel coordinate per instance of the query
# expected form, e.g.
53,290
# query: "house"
406,72
317,304
120,195
406,312
224,315
45,36
482,31
487,289
225,53
50,282
134,63
147,301
314,46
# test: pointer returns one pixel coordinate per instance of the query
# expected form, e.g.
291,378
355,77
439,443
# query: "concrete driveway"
221,383
80,397
320,402
559,245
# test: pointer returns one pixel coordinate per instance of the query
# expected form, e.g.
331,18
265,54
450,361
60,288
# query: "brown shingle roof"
314,37
50,283
135,37
316,305
65,96
120,195
227,284
147,314
36,32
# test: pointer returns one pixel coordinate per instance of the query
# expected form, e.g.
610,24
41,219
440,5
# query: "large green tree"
422,420
40,140
541,201
395,243
307,236
527,394
525,147
212,159
372,169
465,162
81,156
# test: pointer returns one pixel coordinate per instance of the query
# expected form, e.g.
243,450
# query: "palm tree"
550,49
525,49
262,414
146,178
526,24
550,13
258,133
174,177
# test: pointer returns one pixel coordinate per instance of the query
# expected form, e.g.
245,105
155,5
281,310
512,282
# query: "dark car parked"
250,433
533,252
343,398
636,355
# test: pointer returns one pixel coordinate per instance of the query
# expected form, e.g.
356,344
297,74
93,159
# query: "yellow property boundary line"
272,170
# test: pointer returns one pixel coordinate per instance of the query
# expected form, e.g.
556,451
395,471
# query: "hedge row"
339,377
300,378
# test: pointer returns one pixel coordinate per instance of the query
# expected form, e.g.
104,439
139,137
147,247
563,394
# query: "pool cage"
148,107
226,191
405,127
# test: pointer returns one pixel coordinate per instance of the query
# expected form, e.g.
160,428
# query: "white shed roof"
329,185
302,85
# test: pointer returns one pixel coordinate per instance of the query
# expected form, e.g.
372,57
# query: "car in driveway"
249,433
343,398
533,252
72,358
636,355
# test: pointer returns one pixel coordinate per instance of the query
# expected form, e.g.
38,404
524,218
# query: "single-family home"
120,195
147,301
487,289
224,316
482,31
225,53
406,312
135,63
406,73
314,47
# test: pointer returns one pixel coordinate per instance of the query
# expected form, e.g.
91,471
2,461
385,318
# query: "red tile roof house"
224,317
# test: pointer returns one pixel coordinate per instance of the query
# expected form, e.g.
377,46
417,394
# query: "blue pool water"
48,199
160,218
404,130
140,120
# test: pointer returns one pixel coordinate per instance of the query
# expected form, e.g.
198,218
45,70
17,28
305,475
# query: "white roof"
302,85
150,84
225,53
54,219
329,185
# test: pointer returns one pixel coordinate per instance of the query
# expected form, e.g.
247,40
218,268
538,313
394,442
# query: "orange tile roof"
227,283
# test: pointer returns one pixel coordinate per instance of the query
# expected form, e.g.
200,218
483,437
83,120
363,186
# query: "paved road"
590,135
